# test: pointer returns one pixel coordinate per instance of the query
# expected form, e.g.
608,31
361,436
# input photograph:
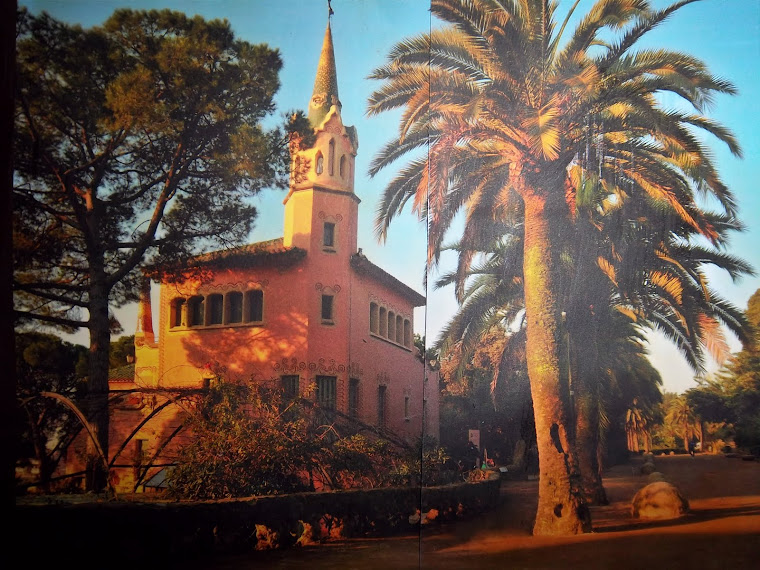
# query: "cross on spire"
329,9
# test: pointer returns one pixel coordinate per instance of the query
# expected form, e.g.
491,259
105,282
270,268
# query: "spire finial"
325,92
329,10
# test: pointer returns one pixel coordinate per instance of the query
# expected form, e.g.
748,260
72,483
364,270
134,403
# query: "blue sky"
723,33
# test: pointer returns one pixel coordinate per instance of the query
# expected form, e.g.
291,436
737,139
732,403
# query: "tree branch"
53,297
52,319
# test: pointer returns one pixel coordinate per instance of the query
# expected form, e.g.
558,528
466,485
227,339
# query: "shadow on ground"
721,531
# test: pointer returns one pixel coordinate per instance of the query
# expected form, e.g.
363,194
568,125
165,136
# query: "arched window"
399,329
254,306
319,167
373,318
331,158
342,166
215,309
407,333
195,310
391,325
383,331
234,308
177,307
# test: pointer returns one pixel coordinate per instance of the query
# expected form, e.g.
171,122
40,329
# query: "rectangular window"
255,312
215,309
327,307
234,307
289,386
328,237
381,405
326,391
353,398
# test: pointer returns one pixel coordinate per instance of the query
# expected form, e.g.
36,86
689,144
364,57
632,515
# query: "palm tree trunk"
686,437
583,359
561,505
587,445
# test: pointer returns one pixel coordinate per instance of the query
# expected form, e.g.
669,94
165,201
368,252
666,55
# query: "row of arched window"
387,324
233,307
343,166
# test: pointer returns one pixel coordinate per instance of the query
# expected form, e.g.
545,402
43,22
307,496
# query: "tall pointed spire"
325,92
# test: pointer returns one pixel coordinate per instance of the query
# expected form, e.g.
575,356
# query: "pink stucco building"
307,311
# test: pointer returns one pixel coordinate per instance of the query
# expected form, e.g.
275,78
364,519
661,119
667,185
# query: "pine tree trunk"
561,506
96,408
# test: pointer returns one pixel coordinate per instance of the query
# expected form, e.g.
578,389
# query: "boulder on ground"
655,476
659,500
648,468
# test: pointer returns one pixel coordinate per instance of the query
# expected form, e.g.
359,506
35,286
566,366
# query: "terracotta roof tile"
362,265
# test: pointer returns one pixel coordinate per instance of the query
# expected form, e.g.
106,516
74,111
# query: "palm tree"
636,427
681,415
664,287
508,112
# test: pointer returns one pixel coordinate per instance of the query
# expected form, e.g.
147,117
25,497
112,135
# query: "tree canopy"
140,138
136,141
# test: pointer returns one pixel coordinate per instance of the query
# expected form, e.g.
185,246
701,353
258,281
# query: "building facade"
308,312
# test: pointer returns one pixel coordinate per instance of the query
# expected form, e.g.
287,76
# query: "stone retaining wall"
156,531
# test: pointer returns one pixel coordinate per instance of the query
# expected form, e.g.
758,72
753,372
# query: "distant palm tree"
636,428
508,113
681,415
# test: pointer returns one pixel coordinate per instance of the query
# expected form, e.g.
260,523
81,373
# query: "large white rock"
660,500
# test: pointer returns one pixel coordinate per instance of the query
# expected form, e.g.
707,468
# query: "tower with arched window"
307,312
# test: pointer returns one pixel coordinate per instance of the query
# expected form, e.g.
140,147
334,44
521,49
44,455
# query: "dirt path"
721,532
